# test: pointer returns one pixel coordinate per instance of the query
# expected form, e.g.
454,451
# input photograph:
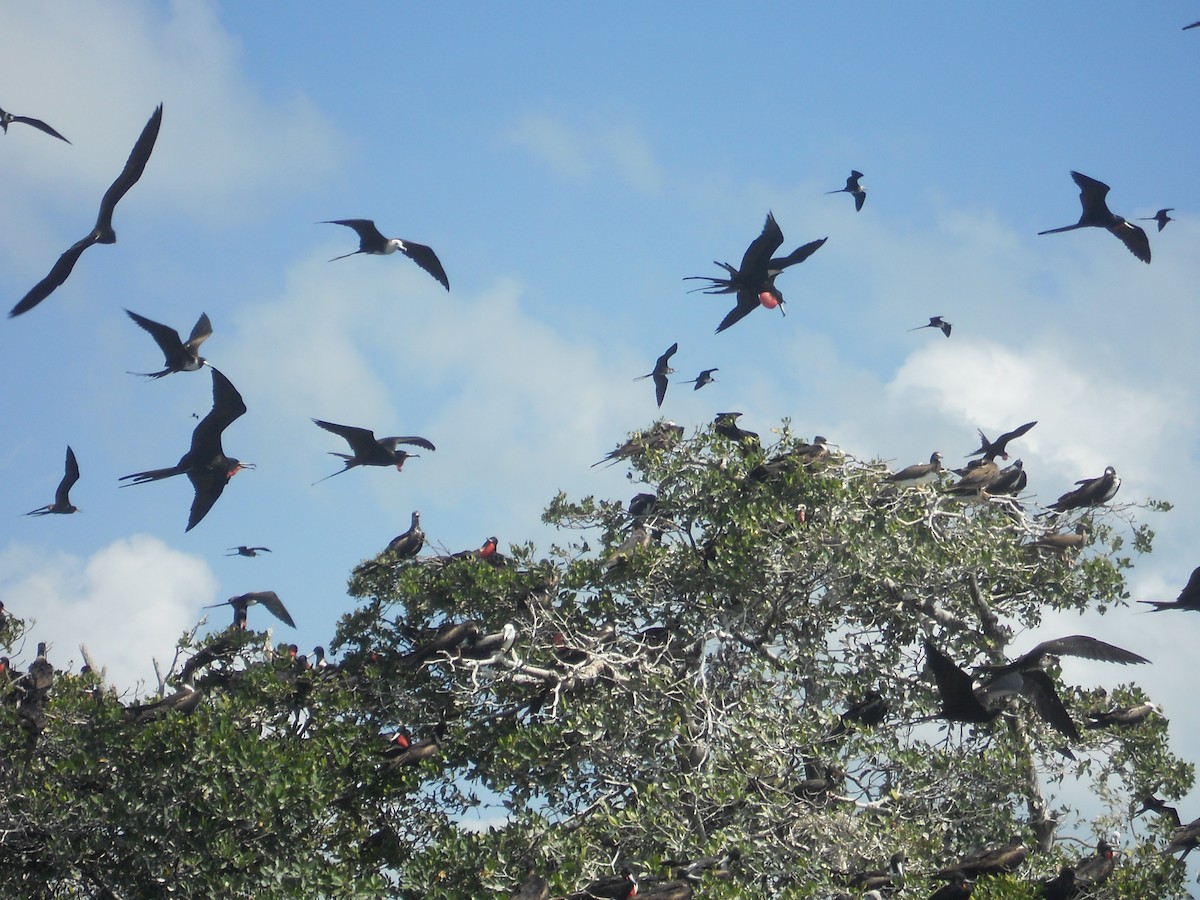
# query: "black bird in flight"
205,463
992,449
1096,214
854,188
754,280
177,356
7,118
103,232
662,369
1193,25
705,377
62,502
936,322
1189,597
956,689
243,550
369,451
370,240
1091,492
1160,217
267,599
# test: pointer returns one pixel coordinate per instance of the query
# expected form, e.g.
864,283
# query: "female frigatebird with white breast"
205,463
371,240
754,280
178,356
1096,214
103,232
7,118
62,500
369,450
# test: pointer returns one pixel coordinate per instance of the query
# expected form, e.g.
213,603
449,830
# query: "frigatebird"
658,436
858,192
102,232
705,377
958,888
370,240
490,646
612,887
662,368
1189,597
1061,886
447,638
890,879
920,473
243,550
1010,480
959,702
754,280
988,861
7,118
1193,25
1160,217
976,478
1096,214
62,500
410,542
1061,543
992,449
1158,805
1122,716
936,322
177,356
1185,837
369,450
269,600
1096,869
1091,492
725,424
205,463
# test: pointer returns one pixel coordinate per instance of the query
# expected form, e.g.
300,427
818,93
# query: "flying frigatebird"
1189,597
662,368
992,449
102,232
243,550
62,500
1160,217
858,192
936,322
177,355
370,240
7,118
269,600
369,450
1096,214
205,463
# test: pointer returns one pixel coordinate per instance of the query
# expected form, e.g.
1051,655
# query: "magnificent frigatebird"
857,191
62,502
1160,217
725,424
920,473
410,542
103,232
1189,597
889,880
612,887
205,463
1158,805
936,322
662,368
705,377
7,118
754,280
490,646
1096,214
369,450
957,692
267,599
658,436
988,861
1061,886
447,638
177,356
1096,869
976,478
1122,716
998,447
870,711
1010,480
958,888
370,240
1185,838
1091,492
243,550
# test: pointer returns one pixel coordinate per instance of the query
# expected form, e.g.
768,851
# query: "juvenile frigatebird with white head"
177,356
853,188
371,240
102,232
7,118
369,450
662,368
1096,214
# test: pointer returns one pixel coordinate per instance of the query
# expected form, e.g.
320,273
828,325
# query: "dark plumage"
243,550
1160,217
1009,481
269,600
957,888
659,436
62,499
989,861
369,450
662,368
1092,194
1158,805
370,240
1121,716
177,355
205,463
1096,869
858,192
7,118
921,473
705,377
102,232
992,449
1185,838
936,322
1189,597
1091,492
409,543
959,703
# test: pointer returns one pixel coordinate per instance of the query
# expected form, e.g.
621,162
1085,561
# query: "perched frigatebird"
1096,869
1189,597
177,356
205,463
725,424
410,542
859,193
103,232
370,240
269,600
1010,480
1160,217
62,500
1158,805
1185,838
1091,492
1122,716
936,322
992,449
658,436
662,368
1096,214
754,280
7,118
370,451
243,550
988,861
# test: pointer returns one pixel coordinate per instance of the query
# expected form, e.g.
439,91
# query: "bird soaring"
369,450
177,356
62,500
855,189
662,368
269,600
936,322
370,240
7,118
1096,214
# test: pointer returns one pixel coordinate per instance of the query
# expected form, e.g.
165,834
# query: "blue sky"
570,165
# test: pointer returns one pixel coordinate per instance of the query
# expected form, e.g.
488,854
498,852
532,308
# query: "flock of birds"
968,698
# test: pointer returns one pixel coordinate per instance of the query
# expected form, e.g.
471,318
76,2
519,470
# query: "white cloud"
128,602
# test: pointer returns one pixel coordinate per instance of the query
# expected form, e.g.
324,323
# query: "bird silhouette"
7,118
754,280
370,240
1096,214
205,463
1121,716
705,377
243,550
409,543
1160,217
369,450
856,190
1091,492
62,500
269,600
1189,597
102,232
658,436
992,449
662,369
936,322
177,356
956,689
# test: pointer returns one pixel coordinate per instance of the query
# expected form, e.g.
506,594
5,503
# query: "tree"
728,689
